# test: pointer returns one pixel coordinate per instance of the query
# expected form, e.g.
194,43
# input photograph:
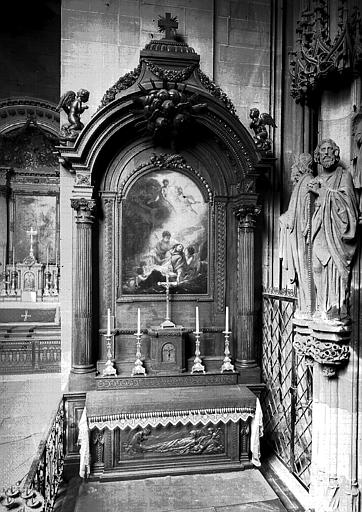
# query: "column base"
248,374
88,368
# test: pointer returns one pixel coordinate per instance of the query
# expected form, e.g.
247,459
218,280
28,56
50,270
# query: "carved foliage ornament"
318,58
329,354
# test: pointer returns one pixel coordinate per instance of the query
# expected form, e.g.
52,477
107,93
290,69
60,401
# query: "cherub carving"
73,106
258,124
168,111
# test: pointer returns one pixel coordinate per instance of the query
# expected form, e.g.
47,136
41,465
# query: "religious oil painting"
39,214
164,235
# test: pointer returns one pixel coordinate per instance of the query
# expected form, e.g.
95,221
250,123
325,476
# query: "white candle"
47,257
108,322
138,321
13,259
227,319
197,319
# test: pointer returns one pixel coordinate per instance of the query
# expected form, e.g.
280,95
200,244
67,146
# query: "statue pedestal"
167,350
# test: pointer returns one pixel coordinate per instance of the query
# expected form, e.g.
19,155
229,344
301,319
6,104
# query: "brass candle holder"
109,370
138,368
197,366
226,365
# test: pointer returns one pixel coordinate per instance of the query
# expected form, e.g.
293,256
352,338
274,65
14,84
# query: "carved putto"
168,111
73,105
258,124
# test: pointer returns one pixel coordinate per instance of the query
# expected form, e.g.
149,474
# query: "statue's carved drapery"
318,235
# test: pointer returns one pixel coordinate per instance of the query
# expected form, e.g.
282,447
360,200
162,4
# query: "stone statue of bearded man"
333,233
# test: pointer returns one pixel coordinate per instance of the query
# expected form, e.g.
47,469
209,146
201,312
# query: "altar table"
149,432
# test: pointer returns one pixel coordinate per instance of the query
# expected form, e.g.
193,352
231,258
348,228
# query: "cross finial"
168,24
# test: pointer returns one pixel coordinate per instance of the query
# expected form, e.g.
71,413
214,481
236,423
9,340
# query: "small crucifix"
26,315
168,24
167,285
32,233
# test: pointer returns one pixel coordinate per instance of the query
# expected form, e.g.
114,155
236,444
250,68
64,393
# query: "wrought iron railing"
46,471
287,401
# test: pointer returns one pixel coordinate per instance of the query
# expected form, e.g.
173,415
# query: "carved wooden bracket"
318,59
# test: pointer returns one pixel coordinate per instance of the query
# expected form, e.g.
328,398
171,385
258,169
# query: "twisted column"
245,325
82,287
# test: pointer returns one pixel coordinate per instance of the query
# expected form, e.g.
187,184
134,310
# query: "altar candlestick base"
109,370
197,366
138,368
226,365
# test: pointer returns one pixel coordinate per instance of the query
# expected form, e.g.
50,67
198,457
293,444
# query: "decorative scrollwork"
169,161
124,82
217,92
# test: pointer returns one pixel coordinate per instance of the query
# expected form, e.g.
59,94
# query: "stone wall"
30,50
101,41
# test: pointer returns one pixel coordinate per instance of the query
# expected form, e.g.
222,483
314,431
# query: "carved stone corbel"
322,343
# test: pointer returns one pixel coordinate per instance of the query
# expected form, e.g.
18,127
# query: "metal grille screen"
287,402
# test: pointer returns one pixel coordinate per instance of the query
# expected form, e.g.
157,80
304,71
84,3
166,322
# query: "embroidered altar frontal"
145,432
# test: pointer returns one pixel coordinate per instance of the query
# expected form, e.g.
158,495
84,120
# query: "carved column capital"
85,209
246,215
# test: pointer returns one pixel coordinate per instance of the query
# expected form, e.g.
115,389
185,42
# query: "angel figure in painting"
73,106
258,124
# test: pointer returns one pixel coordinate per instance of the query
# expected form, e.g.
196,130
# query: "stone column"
245,347
82,287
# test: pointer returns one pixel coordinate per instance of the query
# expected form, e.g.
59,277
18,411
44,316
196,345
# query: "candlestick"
227,319
197,319
226,365
138,321
197,366
108,322
138,368
109,370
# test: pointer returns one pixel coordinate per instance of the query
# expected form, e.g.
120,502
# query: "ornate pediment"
318,61
171,60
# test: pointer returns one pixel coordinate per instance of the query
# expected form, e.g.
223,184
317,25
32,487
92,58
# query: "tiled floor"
27,407
242,491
